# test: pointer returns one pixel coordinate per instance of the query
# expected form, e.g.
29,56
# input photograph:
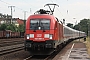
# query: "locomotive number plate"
39,38
39,35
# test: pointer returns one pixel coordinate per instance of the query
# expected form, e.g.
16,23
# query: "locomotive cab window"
39,24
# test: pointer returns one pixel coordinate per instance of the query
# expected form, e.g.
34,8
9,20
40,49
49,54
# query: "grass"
88,44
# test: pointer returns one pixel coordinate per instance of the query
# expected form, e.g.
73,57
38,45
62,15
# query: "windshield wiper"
35,27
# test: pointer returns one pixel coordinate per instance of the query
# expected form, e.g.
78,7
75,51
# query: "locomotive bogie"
40,48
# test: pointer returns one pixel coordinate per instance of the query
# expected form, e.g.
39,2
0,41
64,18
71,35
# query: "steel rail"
11,50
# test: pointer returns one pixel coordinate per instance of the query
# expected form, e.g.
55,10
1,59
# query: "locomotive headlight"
28,36
31,35
46,36
50,36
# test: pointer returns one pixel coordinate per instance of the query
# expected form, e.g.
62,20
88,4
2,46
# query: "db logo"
39,35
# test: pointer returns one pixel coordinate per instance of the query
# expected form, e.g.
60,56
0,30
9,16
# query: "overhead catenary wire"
58,9
83,11
11,5
5,2
14,9
66,16
67,11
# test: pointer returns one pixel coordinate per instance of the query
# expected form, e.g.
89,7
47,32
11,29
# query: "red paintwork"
55,28
20,22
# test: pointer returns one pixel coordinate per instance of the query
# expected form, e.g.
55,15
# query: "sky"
71,10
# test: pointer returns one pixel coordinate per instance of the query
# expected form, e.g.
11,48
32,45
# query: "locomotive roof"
42,15
47,16
72,29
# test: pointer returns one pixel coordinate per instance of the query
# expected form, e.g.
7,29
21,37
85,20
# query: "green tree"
76,27
83,25
70,25
3,27
12,27
21,28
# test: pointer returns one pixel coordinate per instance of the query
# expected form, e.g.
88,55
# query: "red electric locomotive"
44,33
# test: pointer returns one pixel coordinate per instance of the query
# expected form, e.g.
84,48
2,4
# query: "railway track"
11,39
9,45
14,41
36,57
11,48
41,57
44,57
65,53
3,52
